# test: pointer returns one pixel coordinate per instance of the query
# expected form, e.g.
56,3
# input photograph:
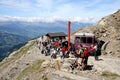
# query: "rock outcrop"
107,30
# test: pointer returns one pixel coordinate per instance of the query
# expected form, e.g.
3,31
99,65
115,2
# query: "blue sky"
79,10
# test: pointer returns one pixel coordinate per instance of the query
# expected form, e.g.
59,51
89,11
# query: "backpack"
81,51
85,54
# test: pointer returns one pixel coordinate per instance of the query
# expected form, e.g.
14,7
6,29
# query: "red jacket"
92,49
85,54
63,50
56,44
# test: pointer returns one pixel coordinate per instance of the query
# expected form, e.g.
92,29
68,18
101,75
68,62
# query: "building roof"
84,34
57,34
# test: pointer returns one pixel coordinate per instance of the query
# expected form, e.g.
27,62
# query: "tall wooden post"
69,35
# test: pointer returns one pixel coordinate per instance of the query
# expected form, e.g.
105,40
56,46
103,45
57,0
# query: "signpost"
69,35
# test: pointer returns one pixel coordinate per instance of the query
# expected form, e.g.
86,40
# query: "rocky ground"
35,66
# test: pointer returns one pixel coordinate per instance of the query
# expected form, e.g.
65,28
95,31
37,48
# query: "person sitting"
61,54
66,55
53,53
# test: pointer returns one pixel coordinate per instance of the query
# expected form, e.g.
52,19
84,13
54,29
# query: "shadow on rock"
89,67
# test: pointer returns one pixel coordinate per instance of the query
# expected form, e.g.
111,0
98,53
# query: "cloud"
44,4
23,5
63,9
49,20
56,4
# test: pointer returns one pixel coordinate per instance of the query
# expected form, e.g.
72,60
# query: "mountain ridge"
38,28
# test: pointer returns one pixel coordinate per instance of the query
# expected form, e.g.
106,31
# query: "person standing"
94,51
85,56
63,51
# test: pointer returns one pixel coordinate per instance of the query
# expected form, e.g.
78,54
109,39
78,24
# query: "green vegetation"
33,68
23,50
18,54
110,75
6,61
10,42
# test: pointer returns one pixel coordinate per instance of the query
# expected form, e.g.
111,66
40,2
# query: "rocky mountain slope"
107,30
28,63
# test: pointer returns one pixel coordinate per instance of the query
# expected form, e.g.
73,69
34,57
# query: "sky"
49,10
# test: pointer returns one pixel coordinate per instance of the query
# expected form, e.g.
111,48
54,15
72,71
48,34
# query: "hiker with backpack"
85,56
79,61
81,50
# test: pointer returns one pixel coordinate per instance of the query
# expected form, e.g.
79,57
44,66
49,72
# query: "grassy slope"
29,70
17,55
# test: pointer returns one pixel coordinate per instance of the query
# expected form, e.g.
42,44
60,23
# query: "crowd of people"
55,47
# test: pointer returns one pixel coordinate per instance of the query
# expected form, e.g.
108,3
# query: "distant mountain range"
10,42
35,29
13,34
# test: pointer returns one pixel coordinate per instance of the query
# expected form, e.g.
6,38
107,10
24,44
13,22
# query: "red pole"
69,35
